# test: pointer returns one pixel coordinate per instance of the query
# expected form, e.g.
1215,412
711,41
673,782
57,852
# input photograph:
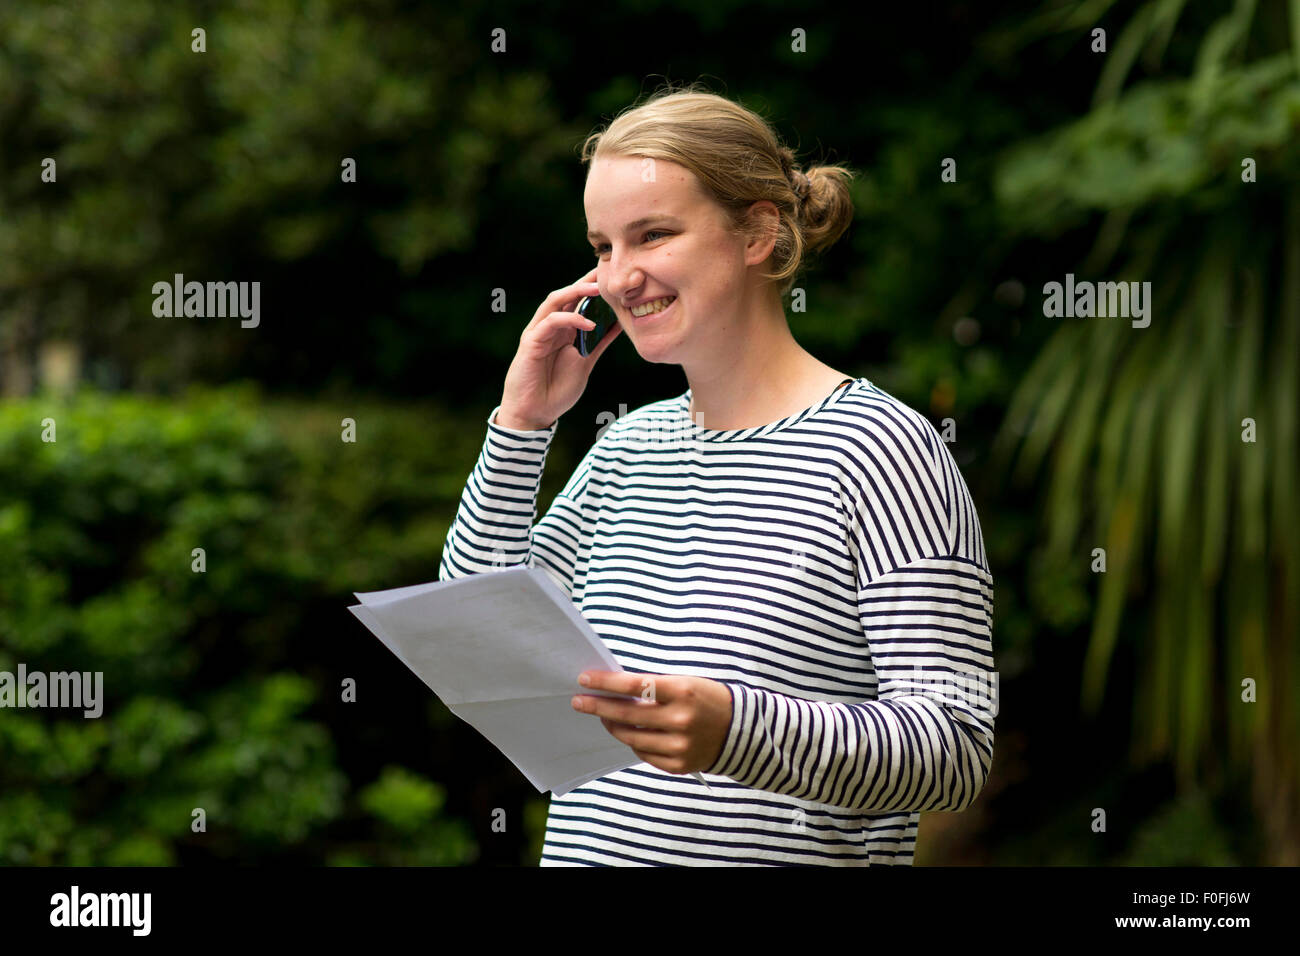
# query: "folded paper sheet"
503,650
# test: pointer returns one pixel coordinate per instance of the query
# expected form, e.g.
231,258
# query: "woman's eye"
652,232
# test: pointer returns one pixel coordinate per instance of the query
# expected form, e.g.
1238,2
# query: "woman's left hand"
679,724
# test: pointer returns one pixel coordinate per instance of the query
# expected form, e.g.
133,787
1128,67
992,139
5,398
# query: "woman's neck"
750,402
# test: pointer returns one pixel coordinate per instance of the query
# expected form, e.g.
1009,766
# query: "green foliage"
1144,427
402,800
1185,832
1170,140
208,698
415,834
535,814
240,151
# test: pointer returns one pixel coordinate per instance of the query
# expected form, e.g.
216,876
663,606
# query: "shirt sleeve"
494,528
925,742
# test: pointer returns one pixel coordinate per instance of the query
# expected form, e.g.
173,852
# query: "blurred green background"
1169,157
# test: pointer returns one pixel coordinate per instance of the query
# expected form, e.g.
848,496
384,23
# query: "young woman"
785,555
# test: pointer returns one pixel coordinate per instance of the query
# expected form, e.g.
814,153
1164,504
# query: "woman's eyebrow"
637,224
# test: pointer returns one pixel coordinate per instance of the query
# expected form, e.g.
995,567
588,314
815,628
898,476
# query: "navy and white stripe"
828,568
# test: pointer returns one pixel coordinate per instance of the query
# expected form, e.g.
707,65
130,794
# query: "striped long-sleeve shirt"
828,568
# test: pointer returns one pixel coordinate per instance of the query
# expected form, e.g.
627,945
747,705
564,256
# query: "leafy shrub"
217,685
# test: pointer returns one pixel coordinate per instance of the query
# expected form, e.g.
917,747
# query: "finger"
611,724
557,332
567,296
662,688
647,741
561,328
617,682
634,713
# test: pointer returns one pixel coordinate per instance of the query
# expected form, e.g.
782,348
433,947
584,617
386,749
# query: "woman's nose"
622,278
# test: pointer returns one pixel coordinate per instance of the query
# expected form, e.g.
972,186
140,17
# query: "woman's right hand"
548,375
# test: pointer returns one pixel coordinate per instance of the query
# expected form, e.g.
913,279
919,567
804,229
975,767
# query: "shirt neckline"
739,434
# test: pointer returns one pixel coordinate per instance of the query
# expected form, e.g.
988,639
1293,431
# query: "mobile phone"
597,310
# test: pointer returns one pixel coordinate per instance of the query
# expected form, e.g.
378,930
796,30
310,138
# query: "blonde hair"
738,160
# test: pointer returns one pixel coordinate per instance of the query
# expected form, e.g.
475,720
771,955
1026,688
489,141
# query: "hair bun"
802,184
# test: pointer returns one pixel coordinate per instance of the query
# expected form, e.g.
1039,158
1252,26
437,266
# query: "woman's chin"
656,352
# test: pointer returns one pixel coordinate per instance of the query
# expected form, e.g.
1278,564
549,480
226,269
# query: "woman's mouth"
652,310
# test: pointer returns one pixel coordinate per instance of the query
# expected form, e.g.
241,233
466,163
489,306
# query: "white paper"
503,650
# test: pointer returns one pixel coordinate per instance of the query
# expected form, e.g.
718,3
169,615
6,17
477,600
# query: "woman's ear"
763,222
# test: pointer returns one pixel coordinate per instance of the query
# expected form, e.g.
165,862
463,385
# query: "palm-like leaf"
1144,425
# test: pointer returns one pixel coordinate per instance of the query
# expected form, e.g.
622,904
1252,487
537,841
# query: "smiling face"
666,239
